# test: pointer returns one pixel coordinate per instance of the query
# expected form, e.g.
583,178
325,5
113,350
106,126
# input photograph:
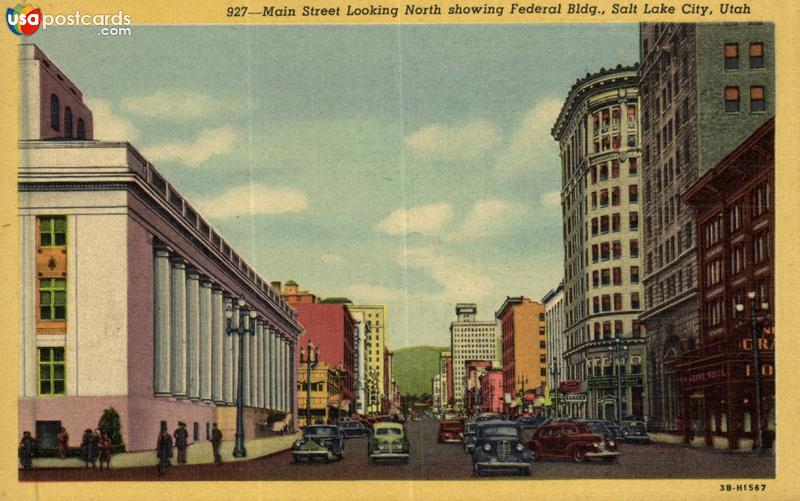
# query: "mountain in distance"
414,367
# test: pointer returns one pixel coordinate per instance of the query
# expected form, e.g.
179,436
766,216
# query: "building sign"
569,386
704,377
574,398
603,383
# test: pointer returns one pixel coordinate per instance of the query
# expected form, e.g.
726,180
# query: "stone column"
284,374
178,317
234,368
206,328
217,343
259,401
246,359
253,351
193,334
227,358
273,382
163,326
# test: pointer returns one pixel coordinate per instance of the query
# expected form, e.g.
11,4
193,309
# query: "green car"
388,442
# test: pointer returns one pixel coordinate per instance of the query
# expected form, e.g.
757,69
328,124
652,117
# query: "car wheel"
296,459
478,470
578,455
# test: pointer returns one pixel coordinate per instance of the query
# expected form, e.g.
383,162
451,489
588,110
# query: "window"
615,169
615,222
53,299
615,195
633,167
633,221
603,171
618,328
617,302
605,276
595,278
542,371
635,300
731,56
634,274
51,371
617,249
81,129
633,193
756,55
760,200
52,231
735,217
636,327
617,276
542,345
757,98
713,312
55,118
603,224
594,174
606,330
594,200
597,330
603,198
761,247
731,99
713,270
68,122
606,300
595,304
635,248
595,253
594,226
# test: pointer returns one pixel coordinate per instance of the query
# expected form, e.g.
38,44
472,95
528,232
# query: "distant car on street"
528,422
499,446
597,427
450,431
388,442
352,429
635,432
572,440
319,441
469,436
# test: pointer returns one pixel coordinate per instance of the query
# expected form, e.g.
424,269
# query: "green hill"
414,368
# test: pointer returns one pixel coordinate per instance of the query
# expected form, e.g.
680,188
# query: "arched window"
54,112
67,122
81,129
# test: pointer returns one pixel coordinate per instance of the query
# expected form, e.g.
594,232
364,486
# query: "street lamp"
244,326
756,325
310,357
521,380
619,356
555,370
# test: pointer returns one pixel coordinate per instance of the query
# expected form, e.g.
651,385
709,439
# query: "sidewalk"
719,443
197,453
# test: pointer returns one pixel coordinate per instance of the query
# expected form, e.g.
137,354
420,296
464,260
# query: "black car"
615,429
635,432
499,446
469,437
323,441
353,429
597,427
529,422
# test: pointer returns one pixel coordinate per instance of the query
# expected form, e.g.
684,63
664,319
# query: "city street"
433,461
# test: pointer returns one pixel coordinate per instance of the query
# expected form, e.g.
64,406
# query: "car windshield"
500,431
319,432
388,431
637,427
451,426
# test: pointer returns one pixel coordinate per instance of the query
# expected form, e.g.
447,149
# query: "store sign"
575,398
704,377
605,383
569,386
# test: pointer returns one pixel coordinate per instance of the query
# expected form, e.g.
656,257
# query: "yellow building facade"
375,338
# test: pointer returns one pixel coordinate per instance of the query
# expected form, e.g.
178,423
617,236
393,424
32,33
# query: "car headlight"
596,445
298,443
520,448
487,447
611,443
625,432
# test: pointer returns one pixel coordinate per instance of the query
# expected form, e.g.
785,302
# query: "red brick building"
735,222
492,391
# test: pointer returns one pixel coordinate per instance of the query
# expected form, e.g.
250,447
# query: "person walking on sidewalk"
164,451
181,439
216,441
26,449
104,446
89,448
63,443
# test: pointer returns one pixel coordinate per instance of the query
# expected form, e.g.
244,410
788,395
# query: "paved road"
433,461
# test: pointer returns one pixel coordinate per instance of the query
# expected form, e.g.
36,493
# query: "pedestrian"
89,448
164,451
181,439
216,441
27,447
104,447
63,442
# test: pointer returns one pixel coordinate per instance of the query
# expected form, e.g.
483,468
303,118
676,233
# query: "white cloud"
209,142
550,199
532,142
254,199
460,280
108,126
439,142
182,105
488,218
332,258
425,219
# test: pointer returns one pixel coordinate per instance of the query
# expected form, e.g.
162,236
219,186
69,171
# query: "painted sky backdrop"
407,165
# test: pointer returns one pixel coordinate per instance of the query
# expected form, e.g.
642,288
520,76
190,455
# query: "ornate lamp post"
619,355
244,326
310,357
555,370
757,324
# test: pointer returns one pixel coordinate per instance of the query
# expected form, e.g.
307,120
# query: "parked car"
353,429
450,431
635,432
388,441
469,437
499,446
615,429
572,440
597,427
325,441
526,421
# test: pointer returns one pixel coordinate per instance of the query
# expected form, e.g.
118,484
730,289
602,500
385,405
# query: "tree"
110,424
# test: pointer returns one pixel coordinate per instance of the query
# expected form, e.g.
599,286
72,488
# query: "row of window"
602,304
601,171
669,287
55,119
600,225
602,196
732,98
613,250
755,55
603,277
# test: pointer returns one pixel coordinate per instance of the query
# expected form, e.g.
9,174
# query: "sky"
406,165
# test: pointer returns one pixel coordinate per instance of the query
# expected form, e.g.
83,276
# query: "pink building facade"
492,391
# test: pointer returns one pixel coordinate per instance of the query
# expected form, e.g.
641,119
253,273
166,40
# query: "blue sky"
407,165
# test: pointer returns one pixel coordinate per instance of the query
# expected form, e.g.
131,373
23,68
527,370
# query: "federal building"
126,290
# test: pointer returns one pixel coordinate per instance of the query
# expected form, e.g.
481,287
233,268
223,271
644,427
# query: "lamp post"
243,326
521,380
339,370
756,325
310,357
555,370
619,355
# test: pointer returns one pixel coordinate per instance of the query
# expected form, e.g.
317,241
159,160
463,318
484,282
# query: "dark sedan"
352,429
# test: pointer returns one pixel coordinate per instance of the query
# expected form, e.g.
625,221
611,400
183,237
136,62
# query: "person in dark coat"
216,441
63,443
181,441
104,448
26,449
164,451
89,448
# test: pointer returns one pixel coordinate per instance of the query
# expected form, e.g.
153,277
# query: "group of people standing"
165,444
95,446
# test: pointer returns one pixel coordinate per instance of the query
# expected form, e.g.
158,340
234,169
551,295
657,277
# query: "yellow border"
184,12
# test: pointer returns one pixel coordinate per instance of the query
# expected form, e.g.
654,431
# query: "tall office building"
598,134
376,334
470,339
704,89
554,332
524,345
